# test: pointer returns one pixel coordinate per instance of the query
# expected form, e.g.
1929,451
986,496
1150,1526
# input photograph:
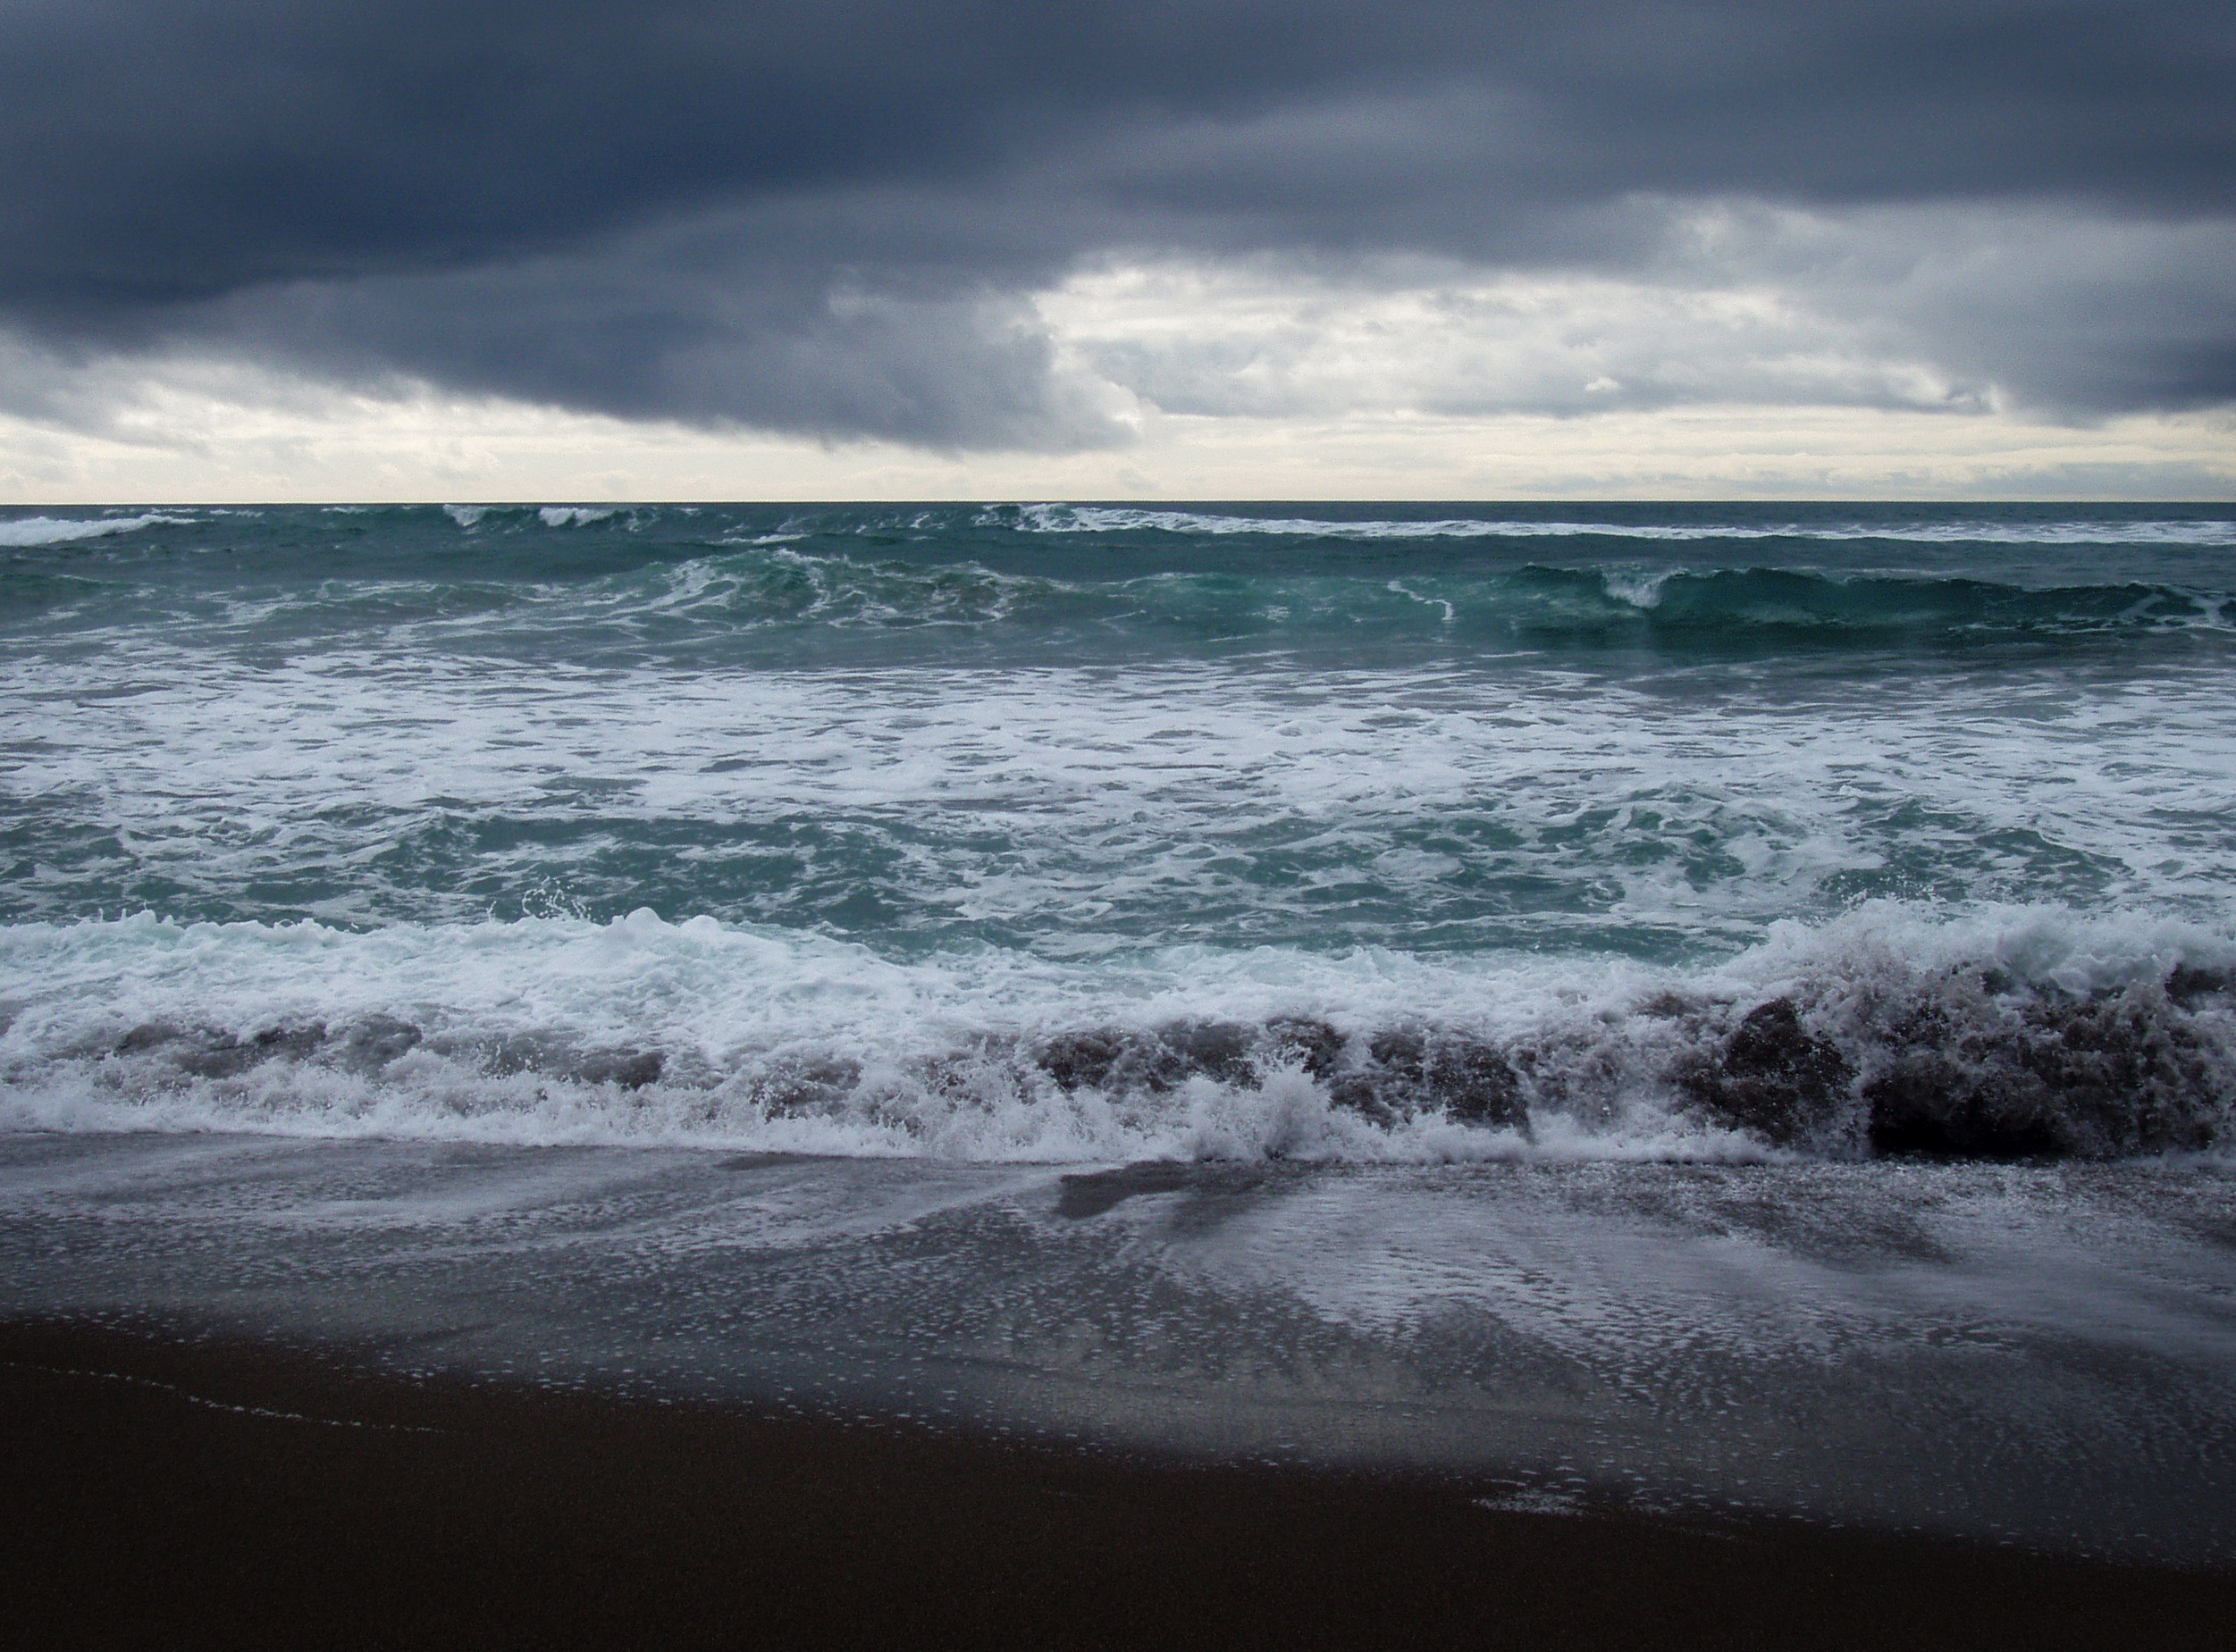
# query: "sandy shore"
179,1494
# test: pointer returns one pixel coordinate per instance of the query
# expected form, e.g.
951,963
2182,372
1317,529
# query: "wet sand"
172,1494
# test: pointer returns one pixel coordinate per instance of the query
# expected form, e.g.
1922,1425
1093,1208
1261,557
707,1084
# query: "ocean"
1697,1005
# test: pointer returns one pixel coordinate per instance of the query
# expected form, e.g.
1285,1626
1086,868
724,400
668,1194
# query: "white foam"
1054,518
1640,590
1443,605
550,515
1079,802
934,1056
28,531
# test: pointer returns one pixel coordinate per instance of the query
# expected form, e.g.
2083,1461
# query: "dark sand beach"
177,1493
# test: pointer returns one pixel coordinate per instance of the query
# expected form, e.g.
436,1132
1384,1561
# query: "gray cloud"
825,218
691,322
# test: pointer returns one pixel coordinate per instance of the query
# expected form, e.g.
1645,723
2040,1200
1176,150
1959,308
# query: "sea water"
1408,863
1049,833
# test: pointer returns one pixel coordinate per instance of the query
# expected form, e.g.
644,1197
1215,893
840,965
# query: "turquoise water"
1078,831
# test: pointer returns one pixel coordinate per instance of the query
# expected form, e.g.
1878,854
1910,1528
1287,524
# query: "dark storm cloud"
819,217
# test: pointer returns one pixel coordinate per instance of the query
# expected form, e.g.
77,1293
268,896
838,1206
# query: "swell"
1806,604
1110,578
1536,605
786,597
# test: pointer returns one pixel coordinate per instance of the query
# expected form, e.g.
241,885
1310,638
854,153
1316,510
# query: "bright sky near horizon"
389,249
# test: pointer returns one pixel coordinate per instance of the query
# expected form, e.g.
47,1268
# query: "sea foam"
1054,518
2006,1033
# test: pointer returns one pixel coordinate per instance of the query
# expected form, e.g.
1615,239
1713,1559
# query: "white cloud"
1954,308
190,432
1265,339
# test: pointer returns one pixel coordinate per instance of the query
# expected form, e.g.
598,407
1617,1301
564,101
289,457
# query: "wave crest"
25,532
781,586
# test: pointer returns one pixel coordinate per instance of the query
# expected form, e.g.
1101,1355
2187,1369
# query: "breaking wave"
785,587
2013,1033
845,584
785,584
749,590
29,531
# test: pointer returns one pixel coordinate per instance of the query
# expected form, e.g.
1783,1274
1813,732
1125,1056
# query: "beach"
179,1491
2033,1357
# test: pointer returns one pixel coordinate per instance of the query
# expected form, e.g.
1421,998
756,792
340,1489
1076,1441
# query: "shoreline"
239,1493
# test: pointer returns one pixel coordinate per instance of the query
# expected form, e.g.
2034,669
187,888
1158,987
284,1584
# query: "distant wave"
789,598
28,531
1119,519
781,584
1739,599
2011,1033
945,522
472,516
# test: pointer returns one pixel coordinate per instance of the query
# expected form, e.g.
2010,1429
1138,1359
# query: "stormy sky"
1045,227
